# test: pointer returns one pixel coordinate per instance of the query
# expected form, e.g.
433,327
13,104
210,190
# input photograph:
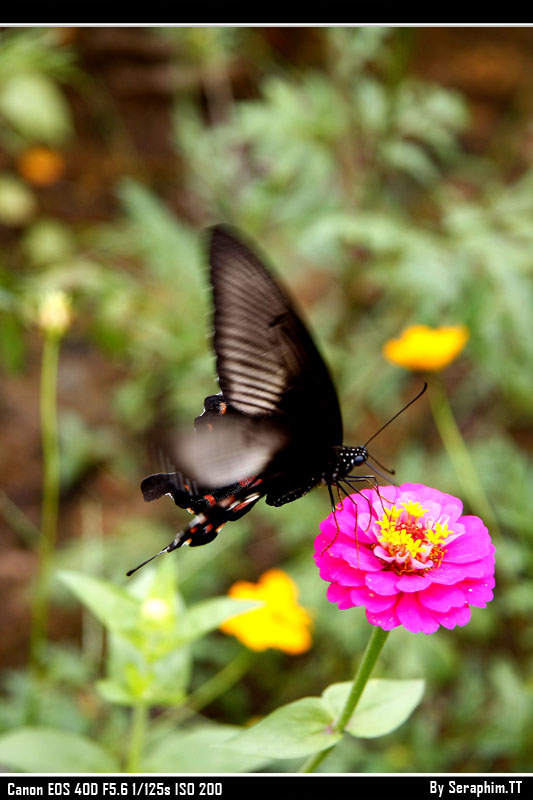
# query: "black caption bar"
234,787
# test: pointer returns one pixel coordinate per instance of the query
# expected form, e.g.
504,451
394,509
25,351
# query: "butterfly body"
275,428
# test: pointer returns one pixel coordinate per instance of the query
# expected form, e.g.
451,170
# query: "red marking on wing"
253,481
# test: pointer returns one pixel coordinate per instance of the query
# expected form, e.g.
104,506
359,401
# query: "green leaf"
113,606
383,707
292,731
132,677
200,750
50,750
209,615
113,692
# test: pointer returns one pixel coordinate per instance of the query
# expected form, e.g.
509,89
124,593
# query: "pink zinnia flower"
408,556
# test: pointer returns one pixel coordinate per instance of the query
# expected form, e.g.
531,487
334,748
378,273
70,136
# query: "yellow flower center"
410,542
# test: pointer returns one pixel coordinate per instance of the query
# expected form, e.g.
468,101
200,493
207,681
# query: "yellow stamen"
407,538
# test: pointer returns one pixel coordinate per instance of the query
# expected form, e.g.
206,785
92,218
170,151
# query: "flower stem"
459,456
50,501
370,656
213,688
222,681
138,730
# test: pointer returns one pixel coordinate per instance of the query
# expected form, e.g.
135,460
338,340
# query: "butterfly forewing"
267,362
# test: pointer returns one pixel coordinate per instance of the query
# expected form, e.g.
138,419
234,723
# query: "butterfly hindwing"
212,441
208,523
213,507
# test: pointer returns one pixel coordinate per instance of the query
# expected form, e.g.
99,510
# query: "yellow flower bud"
156,609
55,312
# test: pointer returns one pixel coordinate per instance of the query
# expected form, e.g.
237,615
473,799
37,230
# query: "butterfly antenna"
174,544
131,571
410,403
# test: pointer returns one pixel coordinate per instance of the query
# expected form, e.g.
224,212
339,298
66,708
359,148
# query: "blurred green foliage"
353,177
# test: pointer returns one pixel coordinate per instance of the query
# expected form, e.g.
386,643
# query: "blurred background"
388,174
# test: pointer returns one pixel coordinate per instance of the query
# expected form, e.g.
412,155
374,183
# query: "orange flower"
281,623
422,348
41,166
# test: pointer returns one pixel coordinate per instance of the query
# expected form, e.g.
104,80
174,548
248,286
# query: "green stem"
370,656
213,688
138,730
222,681
460,456
50,501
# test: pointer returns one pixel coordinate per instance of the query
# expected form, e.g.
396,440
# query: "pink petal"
442,598
455,616
434,510
358,557
338,571
340,596
475,569
415,617
373,602
447,574
488,565
383,582
386,620
425,494
468,548
355,528
384,496
478,593
324,542
345,519
453,573
452,508
412,583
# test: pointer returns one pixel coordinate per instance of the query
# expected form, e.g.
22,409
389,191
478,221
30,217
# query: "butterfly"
275,428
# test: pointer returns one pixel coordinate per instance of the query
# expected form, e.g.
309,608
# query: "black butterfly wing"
271,430
267,362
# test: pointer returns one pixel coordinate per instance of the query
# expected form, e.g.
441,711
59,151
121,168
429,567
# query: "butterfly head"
347,458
